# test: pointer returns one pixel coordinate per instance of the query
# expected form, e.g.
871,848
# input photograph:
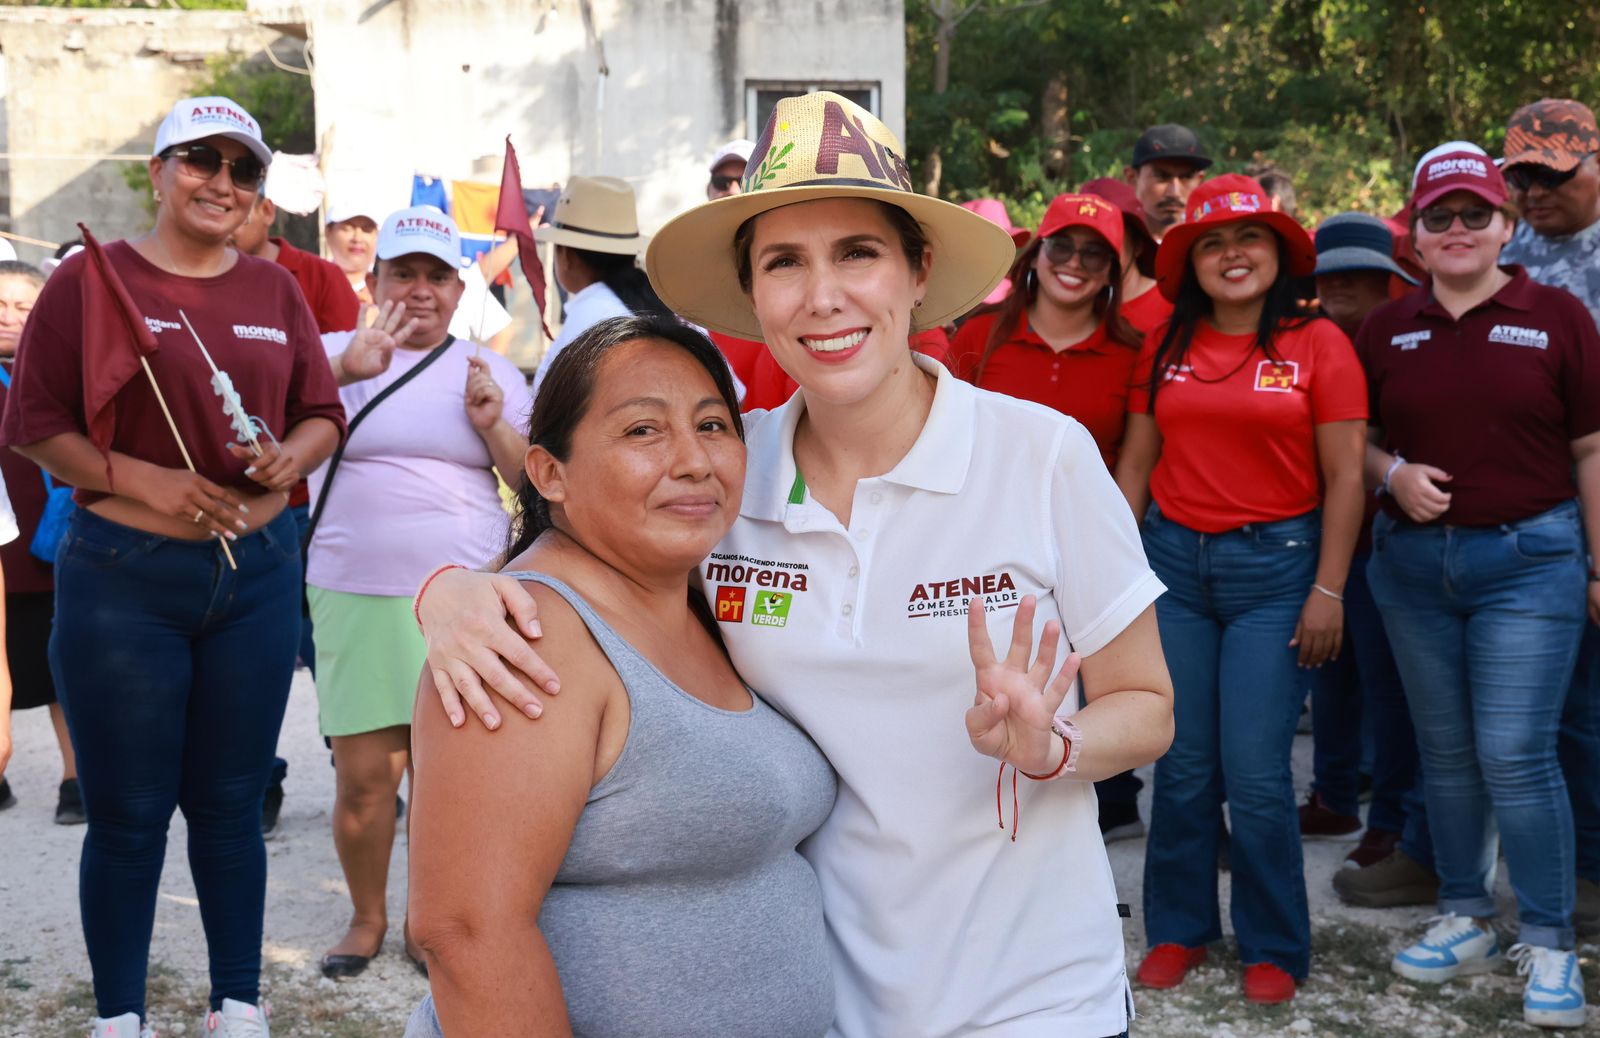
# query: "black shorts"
28,618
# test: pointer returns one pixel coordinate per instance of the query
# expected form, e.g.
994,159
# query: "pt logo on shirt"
730,604
1277,376
771,609
949,597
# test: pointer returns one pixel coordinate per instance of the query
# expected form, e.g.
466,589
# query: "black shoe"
6,797
343,967
271,804
69,804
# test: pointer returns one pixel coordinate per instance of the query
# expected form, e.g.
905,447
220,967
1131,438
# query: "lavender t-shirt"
416,487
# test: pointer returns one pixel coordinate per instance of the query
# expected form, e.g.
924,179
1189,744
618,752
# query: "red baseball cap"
1230,198
1458,171
1089,211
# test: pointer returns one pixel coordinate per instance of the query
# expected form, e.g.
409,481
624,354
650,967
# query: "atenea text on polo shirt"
949,597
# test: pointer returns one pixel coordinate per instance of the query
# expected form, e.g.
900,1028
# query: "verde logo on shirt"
772,609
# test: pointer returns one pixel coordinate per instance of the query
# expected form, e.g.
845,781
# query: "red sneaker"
1318,820
1375,845
1266,983
1166,965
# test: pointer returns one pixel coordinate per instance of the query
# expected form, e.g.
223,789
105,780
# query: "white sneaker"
238,1020
1553,996
124,1026
1454,946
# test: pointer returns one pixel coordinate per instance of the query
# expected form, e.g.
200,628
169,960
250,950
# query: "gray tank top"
682,907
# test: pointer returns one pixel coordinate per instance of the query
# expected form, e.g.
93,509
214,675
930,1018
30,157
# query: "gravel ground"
44,989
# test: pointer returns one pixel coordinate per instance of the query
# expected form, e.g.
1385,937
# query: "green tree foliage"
1343,95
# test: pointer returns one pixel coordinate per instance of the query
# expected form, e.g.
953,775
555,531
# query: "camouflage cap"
1554,132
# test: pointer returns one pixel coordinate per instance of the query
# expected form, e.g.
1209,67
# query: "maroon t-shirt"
333,302
25,488
253,320
1495,399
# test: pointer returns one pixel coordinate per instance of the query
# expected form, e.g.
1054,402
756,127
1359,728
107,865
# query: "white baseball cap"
420,229
197,117
735,149
340,211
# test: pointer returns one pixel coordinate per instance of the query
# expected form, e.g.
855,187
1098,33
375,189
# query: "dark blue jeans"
174,673
1231,606
1485,625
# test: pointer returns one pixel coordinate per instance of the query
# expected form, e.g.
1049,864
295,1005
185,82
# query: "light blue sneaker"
1454,946
1554,994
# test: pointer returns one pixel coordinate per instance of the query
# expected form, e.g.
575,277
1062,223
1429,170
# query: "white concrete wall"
84,84
436,85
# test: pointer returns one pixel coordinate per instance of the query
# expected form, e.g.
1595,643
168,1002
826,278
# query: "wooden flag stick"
181,448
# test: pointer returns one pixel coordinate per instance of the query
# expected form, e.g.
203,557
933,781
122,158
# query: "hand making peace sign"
1010,717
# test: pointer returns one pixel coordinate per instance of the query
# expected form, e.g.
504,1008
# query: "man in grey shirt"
1554,176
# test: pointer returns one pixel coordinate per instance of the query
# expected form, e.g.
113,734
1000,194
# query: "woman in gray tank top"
651,883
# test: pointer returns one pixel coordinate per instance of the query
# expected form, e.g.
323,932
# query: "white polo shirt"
940,925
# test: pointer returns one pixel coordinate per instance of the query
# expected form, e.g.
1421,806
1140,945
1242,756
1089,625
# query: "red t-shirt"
1495,399
25,488
769,386
252,318
1238,428
741,354
333,302
1146,311
1088,380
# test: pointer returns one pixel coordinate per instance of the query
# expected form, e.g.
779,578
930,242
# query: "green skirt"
369,658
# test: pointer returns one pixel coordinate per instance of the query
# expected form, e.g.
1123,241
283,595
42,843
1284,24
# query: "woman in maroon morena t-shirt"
173,661
1485,393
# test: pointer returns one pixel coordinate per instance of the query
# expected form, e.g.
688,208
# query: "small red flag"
115,340
512,216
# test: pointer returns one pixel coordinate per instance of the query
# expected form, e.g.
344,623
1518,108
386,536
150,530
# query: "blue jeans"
174,673
1231,606
1579,750
1485,624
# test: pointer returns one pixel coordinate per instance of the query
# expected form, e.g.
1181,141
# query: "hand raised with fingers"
484,397
373,345
1016,701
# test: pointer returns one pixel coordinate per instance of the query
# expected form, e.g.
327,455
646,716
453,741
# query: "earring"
919,304
1031,282
157,196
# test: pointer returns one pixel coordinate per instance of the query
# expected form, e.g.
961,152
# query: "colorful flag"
115,342
472,206
511,216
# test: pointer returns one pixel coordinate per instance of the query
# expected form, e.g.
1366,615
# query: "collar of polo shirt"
1518,294
937,462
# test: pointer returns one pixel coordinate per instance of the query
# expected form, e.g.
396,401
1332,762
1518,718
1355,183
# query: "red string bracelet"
1016,811
416,601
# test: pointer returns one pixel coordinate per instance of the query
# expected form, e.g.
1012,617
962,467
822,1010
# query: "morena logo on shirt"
1277,376
261,333
949,597
1516,335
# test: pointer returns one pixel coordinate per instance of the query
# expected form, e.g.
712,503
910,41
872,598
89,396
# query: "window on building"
761,97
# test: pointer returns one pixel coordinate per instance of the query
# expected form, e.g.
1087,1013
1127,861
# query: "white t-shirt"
9,530
586,308
939,924
416,486
479,316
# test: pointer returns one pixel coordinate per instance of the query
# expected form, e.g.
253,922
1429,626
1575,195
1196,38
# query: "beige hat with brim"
597,214
820,146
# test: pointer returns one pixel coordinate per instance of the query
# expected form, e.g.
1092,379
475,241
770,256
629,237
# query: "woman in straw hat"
177,614
597,242
1247,431
891,508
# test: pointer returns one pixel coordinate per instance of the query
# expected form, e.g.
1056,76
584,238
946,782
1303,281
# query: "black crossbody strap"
333,462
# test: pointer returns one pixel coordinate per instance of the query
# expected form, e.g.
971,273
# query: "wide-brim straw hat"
597,214
820,146
1230,198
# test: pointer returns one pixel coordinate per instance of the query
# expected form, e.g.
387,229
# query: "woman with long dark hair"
1247,432
177,615
1058,338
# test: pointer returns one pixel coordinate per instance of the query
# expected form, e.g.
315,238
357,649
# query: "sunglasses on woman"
723,181
203,161
1525,175
1437,219
1094,259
